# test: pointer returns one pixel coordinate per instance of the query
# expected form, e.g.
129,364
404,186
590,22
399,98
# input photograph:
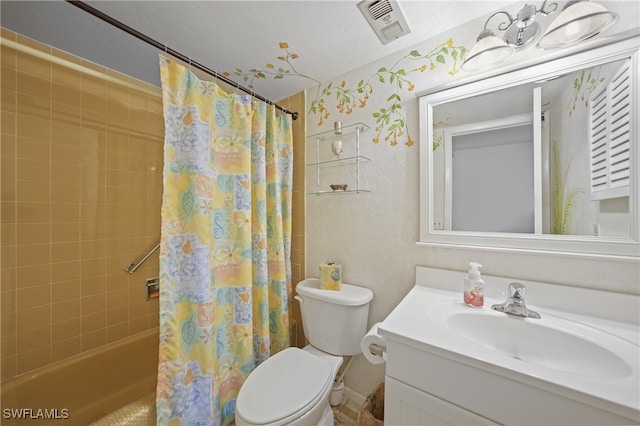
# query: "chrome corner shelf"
352,129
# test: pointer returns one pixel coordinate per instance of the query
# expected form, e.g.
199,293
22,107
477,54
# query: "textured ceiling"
325,38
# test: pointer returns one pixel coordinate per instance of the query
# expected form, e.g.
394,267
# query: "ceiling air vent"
386,19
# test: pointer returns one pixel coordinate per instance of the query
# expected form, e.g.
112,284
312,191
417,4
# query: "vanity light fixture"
579,20
488,51
519,32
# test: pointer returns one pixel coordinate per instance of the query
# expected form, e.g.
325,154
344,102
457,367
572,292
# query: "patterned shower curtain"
225,273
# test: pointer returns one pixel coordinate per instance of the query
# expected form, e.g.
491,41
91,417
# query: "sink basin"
551,342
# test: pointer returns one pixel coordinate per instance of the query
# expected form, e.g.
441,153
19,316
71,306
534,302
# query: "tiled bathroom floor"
143,413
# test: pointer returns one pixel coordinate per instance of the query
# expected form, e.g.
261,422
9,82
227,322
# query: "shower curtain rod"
108,19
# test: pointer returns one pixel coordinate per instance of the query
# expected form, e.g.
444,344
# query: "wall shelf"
348,191
324,159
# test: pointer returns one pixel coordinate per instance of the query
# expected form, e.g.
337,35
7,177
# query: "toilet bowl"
293,386
290,388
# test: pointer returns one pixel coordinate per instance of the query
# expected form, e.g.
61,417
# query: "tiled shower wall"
81,184
298,273
81,189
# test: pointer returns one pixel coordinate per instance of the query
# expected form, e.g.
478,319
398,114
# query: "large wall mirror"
540,159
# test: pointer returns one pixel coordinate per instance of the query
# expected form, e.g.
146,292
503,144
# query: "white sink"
550,342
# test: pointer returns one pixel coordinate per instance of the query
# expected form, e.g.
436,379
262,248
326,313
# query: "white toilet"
293,386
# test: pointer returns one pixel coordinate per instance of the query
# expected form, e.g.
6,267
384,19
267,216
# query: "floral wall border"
390,119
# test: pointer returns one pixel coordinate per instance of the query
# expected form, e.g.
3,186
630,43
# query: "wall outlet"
596,229
438,224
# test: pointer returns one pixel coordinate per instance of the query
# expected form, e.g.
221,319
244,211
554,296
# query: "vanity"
448,363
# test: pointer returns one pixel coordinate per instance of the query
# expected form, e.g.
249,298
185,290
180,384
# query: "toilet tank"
334,321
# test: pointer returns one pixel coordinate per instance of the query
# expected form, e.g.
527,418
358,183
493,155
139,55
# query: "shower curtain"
225,249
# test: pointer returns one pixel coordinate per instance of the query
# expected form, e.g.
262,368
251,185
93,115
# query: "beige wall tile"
33,212
34,86
64,75
65,193
33,254
66,135
33,317
32,148
66,348
8,102
93,267
65,173
34,106
31,297
64,211
117,315
66,114
33,339
117,332
8,369
65,311
65,290
8,321
93,286
138,325
28,276
33,170
66,251
65,232
66,155
9,258
118,298
8,122
9,300
65,271
94,103
34,359
94,340
8,273
93,322
32,191
64,330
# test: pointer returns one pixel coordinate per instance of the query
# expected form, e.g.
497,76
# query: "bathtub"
81,389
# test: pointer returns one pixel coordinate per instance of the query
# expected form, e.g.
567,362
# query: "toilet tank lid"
348,295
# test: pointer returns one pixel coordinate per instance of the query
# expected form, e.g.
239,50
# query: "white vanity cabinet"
406,405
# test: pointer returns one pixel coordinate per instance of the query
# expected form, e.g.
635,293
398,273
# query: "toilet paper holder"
373,346
376,349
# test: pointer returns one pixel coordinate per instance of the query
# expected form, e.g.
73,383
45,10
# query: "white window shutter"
610,136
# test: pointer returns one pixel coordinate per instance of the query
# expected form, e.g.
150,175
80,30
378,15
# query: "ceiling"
328,37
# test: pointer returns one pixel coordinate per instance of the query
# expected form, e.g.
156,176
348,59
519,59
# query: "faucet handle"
517,290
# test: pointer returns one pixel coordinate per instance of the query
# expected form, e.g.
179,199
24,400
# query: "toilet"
293,386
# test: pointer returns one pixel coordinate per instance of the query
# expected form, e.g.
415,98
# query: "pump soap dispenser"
474,286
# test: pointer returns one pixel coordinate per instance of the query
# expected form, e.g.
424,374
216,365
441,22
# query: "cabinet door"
406,405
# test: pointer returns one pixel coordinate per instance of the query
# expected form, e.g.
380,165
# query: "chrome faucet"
515,303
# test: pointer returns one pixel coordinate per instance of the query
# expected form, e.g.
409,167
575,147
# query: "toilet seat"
284,387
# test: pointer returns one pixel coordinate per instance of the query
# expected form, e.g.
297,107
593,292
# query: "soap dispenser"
474,286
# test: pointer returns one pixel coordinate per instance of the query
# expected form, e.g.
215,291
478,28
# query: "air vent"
379,9
386,19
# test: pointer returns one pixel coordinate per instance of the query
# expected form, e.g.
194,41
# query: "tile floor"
142,413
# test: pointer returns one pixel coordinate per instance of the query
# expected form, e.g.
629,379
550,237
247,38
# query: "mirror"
543,158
